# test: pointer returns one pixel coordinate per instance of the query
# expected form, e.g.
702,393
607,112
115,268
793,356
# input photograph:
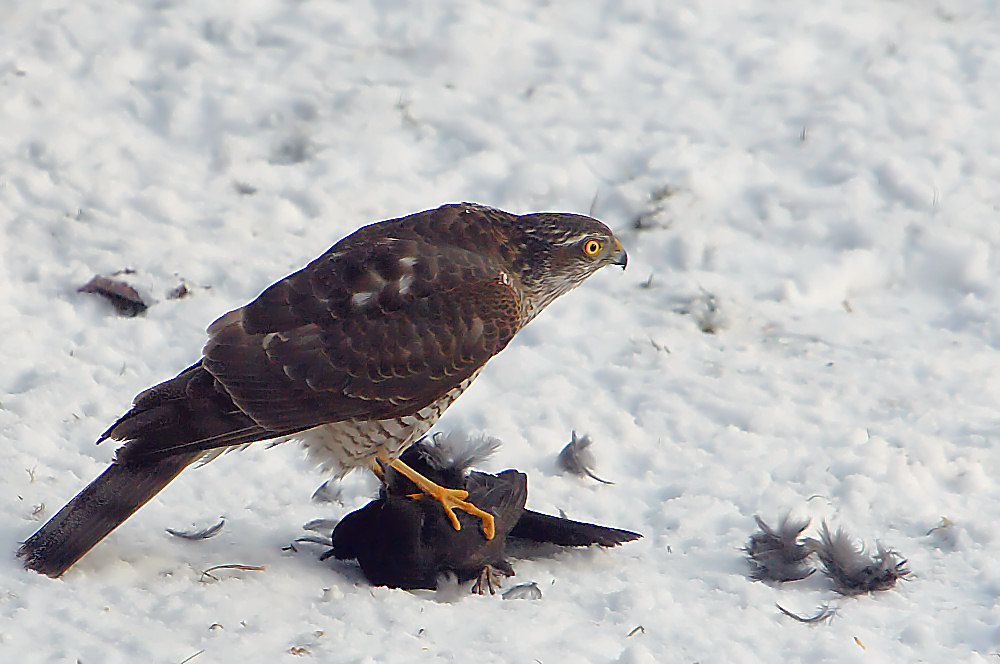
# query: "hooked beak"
619,257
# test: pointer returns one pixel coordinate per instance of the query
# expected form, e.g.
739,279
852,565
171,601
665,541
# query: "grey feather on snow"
782,554
852,571
578,459
458,450
777,554
204,533
524,591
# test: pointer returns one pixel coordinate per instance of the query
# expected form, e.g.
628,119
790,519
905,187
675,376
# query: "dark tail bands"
97,510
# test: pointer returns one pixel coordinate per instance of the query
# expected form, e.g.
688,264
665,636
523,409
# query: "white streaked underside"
340,447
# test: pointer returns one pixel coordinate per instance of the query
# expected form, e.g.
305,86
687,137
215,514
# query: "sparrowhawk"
357,355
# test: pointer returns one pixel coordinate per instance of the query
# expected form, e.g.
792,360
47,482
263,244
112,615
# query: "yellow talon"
450,499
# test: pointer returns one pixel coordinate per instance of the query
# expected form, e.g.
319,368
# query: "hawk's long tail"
169,427
97,510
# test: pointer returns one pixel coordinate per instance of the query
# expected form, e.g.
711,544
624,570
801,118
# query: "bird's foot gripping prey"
357,354
451,499
404,543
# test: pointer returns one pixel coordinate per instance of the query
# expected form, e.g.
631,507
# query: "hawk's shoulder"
383,324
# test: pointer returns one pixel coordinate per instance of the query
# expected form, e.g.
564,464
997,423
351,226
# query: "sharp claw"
455,499
454,519
489,526
451,499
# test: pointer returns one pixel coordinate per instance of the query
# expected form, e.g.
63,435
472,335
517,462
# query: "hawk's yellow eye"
592,247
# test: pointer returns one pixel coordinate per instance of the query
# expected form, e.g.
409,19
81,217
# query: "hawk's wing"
375,328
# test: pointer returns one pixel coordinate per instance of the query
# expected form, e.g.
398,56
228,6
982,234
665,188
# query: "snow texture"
809,196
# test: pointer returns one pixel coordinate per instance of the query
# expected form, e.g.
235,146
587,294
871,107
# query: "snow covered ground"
809,321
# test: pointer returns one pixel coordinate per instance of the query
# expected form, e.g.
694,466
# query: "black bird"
409,543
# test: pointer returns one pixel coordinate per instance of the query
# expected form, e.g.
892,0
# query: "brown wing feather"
369,330
386,321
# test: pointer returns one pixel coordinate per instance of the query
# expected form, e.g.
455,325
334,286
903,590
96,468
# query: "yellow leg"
376,467
451,499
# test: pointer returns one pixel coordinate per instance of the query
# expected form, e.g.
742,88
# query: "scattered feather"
177,293
946,535
943,524
125,299
457,450
204,533
249,568
321,525
851,570
578,459
524,591
328,492
777,554
188,659
825,613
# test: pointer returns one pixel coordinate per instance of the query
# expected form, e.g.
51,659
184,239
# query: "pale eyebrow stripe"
574,239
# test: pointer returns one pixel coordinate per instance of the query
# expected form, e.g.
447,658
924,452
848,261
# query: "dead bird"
409,543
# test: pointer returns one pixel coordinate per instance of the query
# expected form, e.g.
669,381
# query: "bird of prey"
405,543
357,354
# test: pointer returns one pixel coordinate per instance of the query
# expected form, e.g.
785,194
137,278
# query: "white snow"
809,321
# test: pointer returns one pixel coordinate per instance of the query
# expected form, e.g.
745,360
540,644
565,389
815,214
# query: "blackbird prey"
408,543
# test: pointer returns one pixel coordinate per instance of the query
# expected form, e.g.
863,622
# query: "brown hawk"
357,354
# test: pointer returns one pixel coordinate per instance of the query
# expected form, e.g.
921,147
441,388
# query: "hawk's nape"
357,354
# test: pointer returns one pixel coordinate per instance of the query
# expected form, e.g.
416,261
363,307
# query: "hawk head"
559,251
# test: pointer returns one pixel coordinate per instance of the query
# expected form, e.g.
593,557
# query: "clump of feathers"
777,554
577,458
781,554
457,450
854,572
